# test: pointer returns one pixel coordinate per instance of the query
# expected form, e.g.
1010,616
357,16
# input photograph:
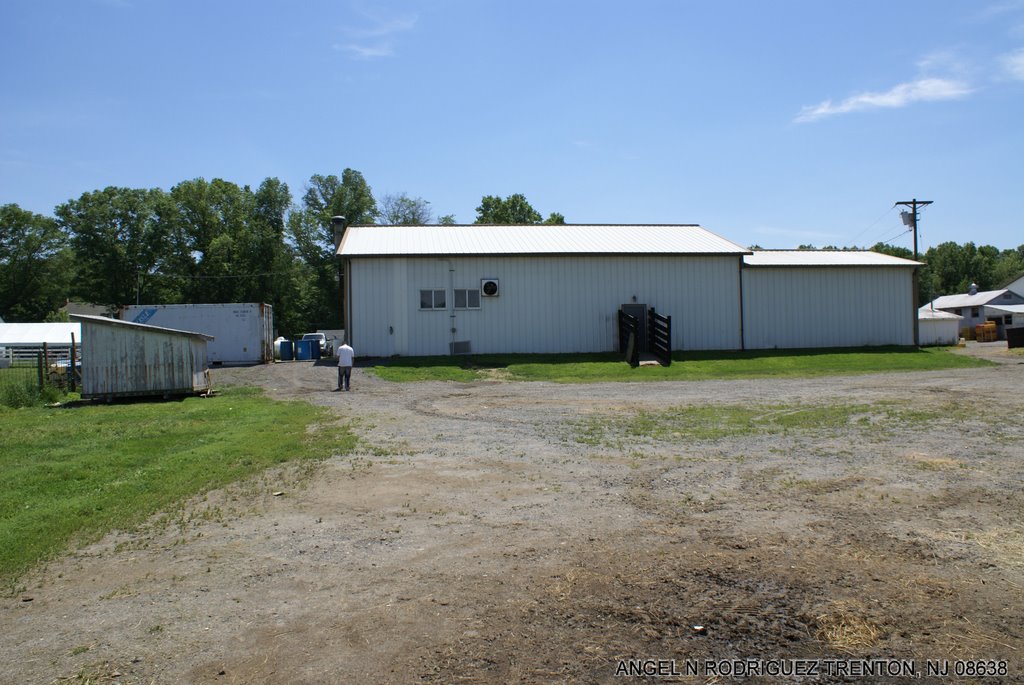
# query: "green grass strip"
76,473
687,424
686,366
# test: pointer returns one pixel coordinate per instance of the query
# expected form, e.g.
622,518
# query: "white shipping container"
243,332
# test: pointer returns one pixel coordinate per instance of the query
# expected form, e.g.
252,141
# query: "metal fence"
38,367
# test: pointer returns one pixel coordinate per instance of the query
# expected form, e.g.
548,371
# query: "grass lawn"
75,473
589,368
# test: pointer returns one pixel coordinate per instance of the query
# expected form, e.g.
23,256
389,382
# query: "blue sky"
774,123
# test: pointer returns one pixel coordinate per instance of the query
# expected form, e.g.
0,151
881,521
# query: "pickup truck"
325,347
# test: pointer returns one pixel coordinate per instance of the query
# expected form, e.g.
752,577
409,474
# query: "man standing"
346,355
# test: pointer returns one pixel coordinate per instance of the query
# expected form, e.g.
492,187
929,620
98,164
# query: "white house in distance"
435,290
977,307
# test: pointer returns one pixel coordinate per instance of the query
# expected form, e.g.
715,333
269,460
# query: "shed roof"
926,312
1006,308
965,300
39,333
813,258
118,323
543,239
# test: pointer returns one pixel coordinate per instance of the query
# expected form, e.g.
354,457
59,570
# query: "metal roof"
1006,308
926,312
543,239
103,320
965,300
39,333
807,258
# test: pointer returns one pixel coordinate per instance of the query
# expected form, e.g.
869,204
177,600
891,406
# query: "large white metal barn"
438,290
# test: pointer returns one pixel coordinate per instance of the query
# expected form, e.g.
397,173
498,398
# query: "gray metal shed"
125,359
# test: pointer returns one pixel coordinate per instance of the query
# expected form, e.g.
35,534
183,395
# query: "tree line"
205,242
215,241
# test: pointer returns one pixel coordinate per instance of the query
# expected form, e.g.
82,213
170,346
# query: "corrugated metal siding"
120,361
938,332
823,307
546,304
243,332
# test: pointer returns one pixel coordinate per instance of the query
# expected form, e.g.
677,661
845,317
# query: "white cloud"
387,27
1013,64
902,95
366,51
377,38
943,63
999,9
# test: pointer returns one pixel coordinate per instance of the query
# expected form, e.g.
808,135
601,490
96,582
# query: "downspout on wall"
743,335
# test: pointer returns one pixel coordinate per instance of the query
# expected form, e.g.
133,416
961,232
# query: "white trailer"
243,332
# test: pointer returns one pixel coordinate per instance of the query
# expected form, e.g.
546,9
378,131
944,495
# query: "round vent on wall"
489,287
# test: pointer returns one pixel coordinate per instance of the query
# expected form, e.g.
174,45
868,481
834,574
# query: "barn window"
432,299
467,298
974,311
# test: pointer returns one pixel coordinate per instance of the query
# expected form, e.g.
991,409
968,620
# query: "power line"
901,233
160,274
853,242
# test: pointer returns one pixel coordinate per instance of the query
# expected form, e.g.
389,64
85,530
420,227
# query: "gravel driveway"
501,532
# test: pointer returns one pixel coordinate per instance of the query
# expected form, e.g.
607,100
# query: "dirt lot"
530,532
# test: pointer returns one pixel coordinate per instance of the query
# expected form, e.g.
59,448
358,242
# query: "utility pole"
910,218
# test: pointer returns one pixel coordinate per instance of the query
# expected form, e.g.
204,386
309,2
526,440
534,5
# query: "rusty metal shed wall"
140,360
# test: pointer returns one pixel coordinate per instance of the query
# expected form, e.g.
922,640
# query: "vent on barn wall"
460,347
489,287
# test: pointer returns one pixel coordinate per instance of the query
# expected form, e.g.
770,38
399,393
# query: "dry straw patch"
928,462
1005,544
844,627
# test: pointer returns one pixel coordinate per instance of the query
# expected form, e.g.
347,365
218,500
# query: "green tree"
35,265
265,250
402,210
1009,266
313,235
514,209
211,237
350,197
119,237
951,267
446,220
